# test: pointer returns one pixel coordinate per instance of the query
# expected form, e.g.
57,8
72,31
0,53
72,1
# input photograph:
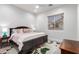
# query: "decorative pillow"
13,31
27,30
19,30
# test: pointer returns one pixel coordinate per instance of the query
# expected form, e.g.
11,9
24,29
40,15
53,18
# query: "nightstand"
4,40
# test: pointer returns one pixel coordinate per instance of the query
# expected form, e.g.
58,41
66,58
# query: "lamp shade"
4,29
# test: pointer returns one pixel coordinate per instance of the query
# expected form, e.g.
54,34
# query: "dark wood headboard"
19,27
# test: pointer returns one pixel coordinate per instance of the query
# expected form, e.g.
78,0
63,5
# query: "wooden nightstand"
4,40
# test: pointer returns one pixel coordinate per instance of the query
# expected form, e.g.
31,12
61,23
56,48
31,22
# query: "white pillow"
13,31
17,31
27,30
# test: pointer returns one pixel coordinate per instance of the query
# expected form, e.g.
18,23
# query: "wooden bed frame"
31,44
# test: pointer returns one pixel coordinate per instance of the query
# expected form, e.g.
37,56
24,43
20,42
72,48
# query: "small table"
69,47
2,40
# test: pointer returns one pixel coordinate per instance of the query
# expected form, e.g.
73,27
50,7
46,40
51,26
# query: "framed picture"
55,22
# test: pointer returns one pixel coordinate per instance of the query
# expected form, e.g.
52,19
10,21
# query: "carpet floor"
53,49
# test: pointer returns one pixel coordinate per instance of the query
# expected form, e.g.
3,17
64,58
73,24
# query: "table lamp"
4,32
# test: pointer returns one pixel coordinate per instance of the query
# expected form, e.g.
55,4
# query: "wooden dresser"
69,47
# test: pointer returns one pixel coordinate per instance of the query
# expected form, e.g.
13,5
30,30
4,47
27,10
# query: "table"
69,47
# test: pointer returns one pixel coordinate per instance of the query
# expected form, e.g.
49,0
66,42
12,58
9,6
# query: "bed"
30,40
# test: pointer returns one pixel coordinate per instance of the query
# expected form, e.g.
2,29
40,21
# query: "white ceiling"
42,7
